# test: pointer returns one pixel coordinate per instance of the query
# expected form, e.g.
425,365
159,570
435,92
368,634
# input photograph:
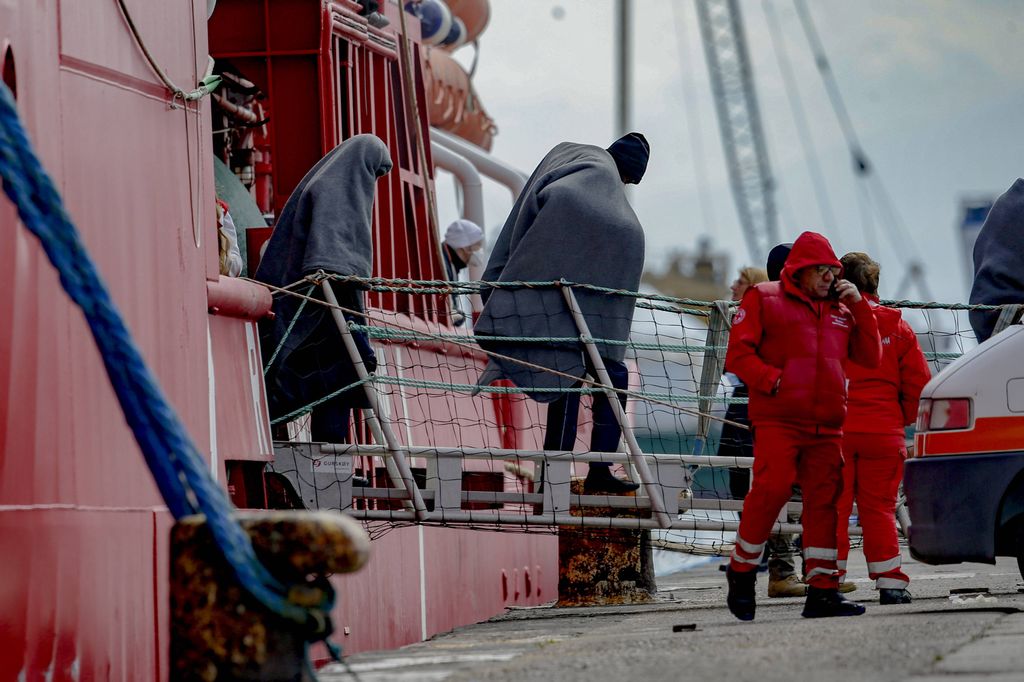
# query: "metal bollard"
218,630
604,566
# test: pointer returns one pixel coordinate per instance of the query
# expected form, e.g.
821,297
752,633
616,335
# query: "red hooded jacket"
884,400
779,332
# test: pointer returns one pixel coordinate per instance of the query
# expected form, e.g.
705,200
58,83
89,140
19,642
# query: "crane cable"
693,125
799,116
862,166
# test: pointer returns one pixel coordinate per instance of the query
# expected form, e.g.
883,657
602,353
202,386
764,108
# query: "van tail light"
944,414
924,414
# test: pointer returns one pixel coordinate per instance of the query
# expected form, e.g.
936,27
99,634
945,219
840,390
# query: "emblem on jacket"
741,314
840,321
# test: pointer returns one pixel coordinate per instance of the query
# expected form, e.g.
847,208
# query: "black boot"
827,603
741,601
888,596
600,480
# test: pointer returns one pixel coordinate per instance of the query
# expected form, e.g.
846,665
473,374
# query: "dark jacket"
999,259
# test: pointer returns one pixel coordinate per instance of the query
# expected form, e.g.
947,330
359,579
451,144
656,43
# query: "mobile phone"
833,293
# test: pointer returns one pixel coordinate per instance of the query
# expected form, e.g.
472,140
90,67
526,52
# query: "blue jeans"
563,415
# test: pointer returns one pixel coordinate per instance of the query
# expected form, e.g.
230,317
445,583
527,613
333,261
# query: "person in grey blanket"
572,221
999,260
326,225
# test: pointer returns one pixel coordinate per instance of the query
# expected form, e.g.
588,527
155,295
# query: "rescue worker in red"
790,343
881,402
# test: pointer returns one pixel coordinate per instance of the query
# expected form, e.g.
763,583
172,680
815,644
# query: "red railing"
326,76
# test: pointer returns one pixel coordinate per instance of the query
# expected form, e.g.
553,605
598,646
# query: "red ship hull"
83,531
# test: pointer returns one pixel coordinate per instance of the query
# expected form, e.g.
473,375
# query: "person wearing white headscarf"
462,243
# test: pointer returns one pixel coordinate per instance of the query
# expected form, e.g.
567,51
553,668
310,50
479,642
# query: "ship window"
10,75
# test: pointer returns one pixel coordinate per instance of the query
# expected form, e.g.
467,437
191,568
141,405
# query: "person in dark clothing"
777,260
462,243
999,260
326,225
735,441
572,221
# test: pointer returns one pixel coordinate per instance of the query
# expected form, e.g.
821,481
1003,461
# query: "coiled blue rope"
176,464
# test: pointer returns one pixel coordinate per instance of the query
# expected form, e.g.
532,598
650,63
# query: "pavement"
688,634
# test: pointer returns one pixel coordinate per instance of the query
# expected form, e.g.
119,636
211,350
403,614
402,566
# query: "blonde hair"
753,275
862,271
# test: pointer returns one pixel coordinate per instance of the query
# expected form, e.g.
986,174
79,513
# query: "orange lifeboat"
452,103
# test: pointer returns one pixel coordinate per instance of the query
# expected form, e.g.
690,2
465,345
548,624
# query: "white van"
965,483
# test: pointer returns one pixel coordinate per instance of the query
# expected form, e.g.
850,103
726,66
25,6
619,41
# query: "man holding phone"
790,343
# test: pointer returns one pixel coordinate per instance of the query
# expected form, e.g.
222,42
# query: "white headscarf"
462,234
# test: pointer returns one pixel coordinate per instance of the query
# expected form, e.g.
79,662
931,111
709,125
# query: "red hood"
810,248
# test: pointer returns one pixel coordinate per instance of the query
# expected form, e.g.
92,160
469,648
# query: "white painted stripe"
891,584
212,396
821,553
749,548
885,566
65,506
423,587
818,571
252,352
399,372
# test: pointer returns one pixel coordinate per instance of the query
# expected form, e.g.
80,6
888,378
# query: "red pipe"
232,297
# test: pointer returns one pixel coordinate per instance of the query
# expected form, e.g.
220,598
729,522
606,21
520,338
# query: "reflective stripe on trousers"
784,455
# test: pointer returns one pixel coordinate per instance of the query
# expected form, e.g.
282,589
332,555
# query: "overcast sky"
935,90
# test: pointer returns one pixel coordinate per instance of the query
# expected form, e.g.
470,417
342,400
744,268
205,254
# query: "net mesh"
491,454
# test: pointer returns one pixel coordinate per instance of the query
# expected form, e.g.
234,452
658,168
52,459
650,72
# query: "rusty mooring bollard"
603,566
218,630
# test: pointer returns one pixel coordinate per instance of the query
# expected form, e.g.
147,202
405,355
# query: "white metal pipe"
512,518
499,171
468,177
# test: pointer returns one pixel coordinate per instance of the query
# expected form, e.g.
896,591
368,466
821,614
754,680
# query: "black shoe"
825,603
893,596
741,601
600,480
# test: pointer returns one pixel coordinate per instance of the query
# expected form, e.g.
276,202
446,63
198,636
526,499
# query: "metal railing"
324,474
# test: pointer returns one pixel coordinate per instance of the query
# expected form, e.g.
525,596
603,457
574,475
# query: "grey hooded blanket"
325,225
572,221
999,259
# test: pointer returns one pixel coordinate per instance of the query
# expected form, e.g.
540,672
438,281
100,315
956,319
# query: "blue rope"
176,464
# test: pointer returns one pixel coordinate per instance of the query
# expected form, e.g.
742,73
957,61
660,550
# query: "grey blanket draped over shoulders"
999,259
572,221
326,224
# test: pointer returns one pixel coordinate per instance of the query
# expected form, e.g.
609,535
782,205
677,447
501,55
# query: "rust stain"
603,566
218,630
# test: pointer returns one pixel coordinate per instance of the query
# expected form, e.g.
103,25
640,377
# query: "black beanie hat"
777,260
631,152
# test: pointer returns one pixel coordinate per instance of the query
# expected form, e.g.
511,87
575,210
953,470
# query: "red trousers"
872,475
784,455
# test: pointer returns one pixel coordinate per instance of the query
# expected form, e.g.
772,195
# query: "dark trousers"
563,415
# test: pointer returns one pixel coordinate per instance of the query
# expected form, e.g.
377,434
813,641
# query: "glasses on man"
822,269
